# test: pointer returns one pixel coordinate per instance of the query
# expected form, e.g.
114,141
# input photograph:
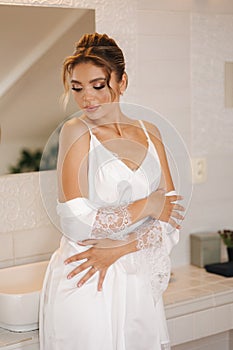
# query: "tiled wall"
164,62
26,232
182,46
164,73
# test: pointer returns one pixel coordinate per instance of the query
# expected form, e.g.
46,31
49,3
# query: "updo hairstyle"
102,51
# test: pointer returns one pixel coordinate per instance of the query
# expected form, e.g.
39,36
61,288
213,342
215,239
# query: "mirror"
34,42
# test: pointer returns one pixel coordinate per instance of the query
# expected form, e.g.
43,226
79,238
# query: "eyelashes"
76,89
99,87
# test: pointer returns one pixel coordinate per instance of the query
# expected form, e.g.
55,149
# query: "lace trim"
166,346
148,234
111,220
152,259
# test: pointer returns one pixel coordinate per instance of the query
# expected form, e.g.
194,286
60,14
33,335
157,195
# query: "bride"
119,216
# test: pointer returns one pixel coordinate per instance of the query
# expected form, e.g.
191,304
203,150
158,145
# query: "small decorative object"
227,237
205,248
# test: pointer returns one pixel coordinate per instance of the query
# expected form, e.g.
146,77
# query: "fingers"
77,257
79,269
174,210
94,262
87,276
177,215
102,275
174,224
174,198
178,207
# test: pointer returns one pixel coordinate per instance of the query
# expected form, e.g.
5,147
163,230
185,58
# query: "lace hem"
152,258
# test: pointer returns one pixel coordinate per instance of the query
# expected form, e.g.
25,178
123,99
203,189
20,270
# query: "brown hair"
99,49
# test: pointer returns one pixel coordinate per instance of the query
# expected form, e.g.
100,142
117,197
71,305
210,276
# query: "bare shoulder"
74,126
153,130
74,129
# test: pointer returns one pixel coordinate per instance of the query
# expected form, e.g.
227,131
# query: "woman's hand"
163,208
99,257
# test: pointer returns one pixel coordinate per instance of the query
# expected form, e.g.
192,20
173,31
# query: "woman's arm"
80,219
138,240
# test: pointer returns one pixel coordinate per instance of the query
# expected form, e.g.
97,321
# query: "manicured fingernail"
69,277
80,284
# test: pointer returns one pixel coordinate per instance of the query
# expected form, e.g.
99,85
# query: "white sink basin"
20,288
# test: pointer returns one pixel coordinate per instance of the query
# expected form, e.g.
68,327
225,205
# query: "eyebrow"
91,81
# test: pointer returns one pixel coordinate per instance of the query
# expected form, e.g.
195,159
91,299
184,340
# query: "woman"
103,286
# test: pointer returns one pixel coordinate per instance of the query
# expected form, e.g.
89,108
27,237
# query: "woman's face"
90,90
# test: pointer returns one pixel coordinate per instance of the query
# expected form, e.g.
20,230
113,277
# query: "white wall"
182,46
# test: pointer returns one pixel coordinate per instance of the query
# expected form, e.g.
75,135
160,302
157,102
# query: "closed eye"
99,87
76,89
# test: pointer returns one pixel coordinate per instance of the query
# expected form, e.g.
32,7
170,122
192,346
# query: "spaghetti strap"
91,145
87,126
144,129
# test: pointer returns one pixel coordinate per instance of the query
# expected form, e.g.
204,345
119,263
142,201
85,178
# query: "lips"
91,109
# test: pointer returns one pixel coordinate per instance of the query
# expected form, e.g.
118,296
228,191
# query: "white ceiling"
34,41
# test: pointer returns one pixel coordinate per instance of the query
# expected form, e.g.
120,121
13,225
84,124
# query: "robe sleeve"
81,219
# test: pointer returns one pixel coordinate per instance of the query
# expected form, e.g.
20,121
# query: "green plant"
28,161
227,237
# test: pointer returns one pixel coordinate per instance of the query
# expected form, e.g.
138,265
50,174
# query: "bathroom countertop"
198,304
12,340
191,290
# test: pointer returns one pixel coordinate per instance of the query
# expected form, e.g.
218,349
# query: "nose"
88,94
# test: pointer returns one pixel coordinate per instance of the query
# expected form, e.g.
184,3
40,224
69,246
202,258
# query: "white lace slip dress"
124,315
